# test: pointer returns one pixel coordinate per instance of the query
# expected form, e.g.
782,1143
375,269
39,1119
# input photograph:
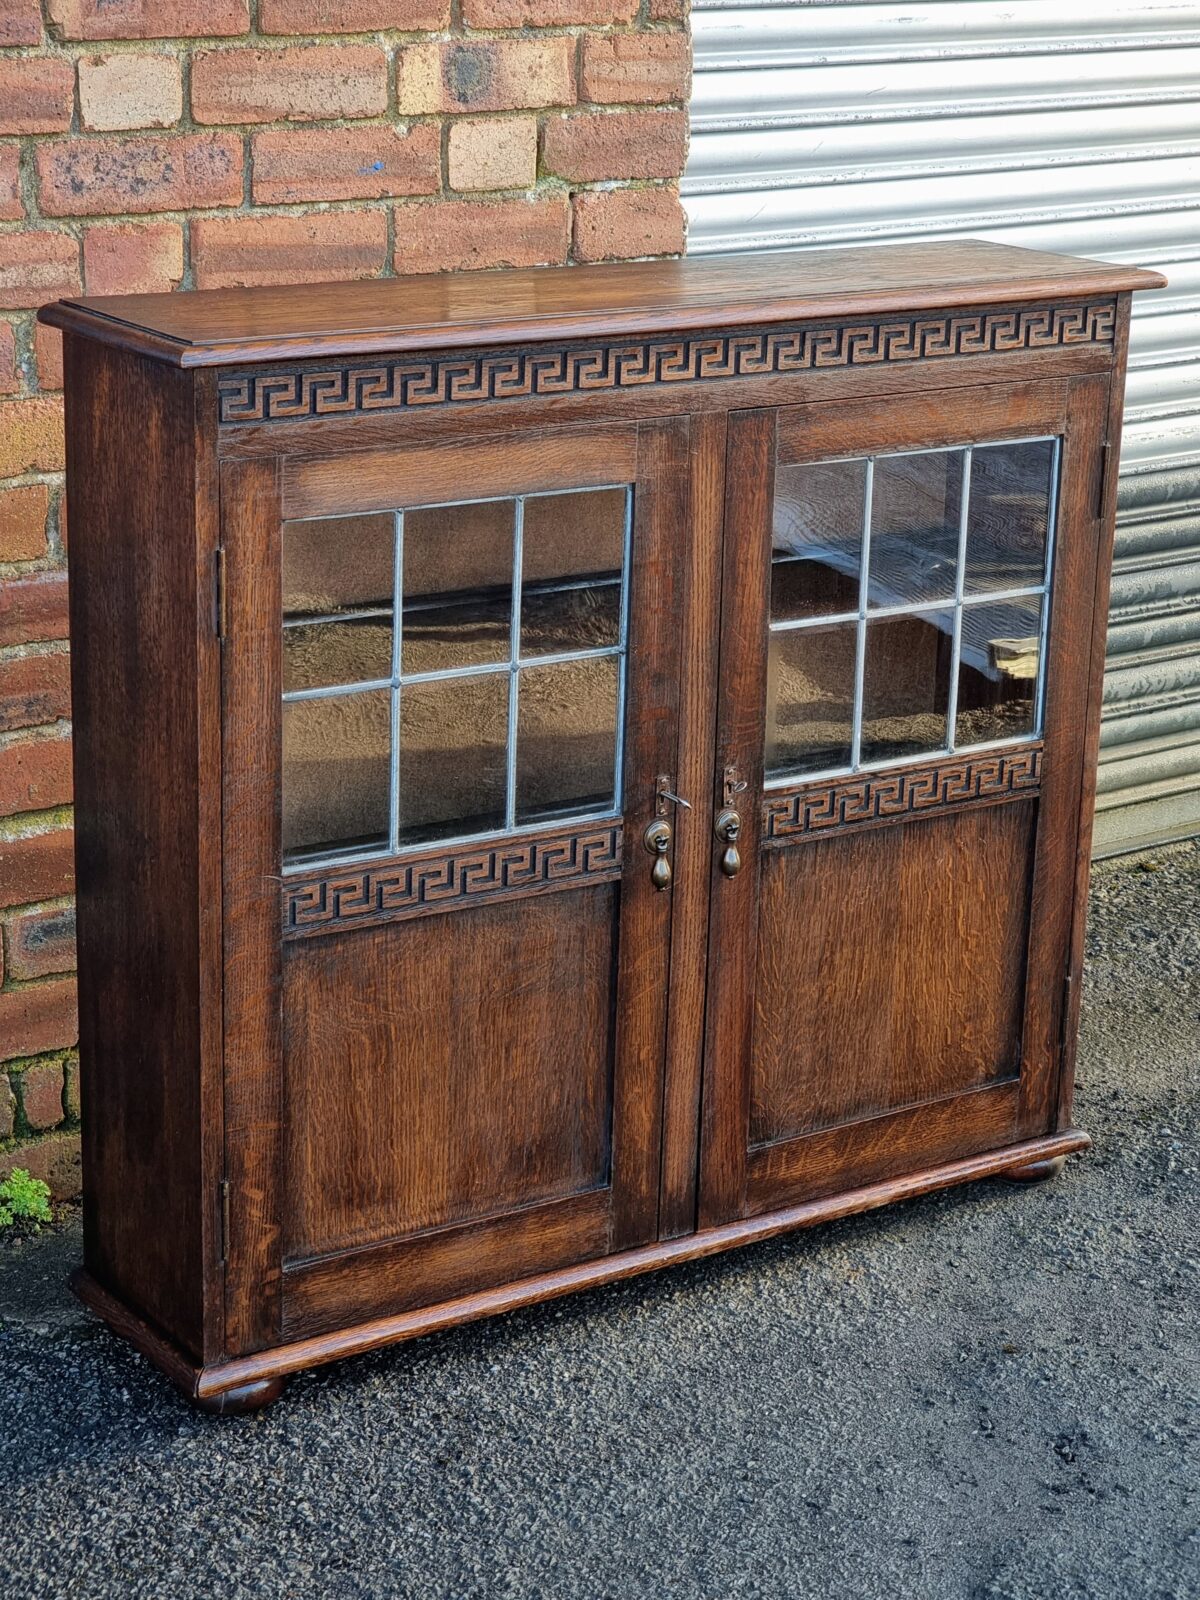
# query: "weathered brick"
307,83
493,153
593,146
48,356
8,1107
352,16
346,163
23,522
20,22
40,1092
547,13
40,943
310,249
10,378
632,67
36,267
667,11
33,610
38,1017
485,75
172,172
459,235
133,258
55,1160
149,19
129,91
71,1104
11,205
614,224
36,94
40,867
33,689
31,436
35,775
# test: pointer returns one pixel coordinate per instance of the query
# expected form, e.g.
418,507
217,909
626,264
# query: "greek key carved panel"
438,880
439,380
866,799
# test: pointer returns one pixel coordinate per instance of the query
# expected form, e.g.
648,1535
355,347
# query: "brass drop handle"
657,840
728,828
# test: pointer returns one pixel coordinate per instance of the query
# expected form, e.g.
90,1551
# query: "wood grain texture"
925,421
1069,669
1107,515
252,966
890,968
207,1382
448,1069
883,1147
136,693
222,326
499,465
733,903
693,831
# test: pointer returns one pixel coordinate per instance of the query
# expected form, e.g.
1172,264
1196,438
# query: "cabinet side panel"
133,599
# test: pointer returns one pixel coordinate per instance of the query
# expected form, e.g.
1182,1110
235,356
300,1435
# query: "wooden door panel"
890,968
433,1079
464,1065
886,971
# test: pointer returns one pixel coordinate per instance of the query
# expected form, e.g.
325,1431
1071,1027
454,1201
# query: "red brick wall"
167,144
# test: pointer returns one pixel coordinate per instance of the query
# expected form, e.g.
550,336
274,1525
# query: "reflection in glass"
453,737
906,685
457,585
1008,515
336,773
574,552
810,698
816,539
566,738
336,564
319,654
916,511
997,679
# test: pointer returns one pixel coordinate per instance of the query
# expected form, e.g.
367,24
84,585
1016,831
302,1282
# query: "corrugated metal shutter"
1068,126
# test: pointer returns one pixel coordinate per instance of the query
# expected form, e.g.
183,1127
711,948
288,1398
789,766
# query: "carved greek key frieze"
409,381
868,798
348,897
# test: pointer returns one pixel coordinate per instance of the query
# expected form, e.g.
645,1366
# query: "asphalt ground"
989,1392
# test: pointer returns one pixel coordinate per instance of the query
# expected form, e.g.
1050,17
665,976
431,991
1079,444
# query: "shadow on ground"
987,1393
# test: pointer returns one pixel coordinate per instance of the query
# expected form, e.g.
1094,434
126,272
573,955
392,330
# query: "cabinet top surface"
220,327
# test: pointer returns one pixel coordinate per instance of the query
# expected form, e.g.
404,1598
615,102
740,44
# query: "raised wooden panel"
891,968
435,1077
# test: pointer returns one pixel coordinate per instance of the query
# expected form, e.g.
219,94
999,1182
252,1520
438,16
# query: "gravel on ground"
986,1394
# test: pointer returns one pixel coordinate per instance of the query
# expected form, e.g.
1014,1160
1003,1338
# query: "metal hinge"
1064,1024
223,1186
1101,492
219,591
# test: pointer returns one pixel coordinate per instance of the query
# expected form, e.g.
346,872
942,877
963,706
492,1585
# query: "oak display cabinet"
575,770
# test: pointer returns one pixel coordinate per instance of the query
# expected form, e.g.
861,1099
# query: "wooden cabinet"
575,770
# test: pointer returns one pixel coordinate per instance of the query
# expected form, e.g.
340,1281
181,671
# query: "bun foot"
1036,1171
249,1397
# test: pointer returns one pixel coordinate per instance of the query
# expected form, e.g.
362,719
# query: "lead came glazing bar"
962,602
960,578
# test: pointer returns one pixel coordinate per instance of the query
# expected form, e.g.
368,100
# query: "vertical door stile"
749,490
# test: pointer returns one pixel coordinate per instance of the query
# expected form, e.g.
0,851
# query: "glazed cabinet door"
451,681
905,666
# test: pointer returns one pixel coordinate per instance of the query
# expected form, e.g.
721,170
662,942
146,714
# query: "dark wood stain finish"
331,1108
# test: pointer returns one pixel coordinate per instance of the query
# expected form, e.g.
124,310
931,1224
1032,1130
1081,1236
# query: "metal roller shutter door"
1073,126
